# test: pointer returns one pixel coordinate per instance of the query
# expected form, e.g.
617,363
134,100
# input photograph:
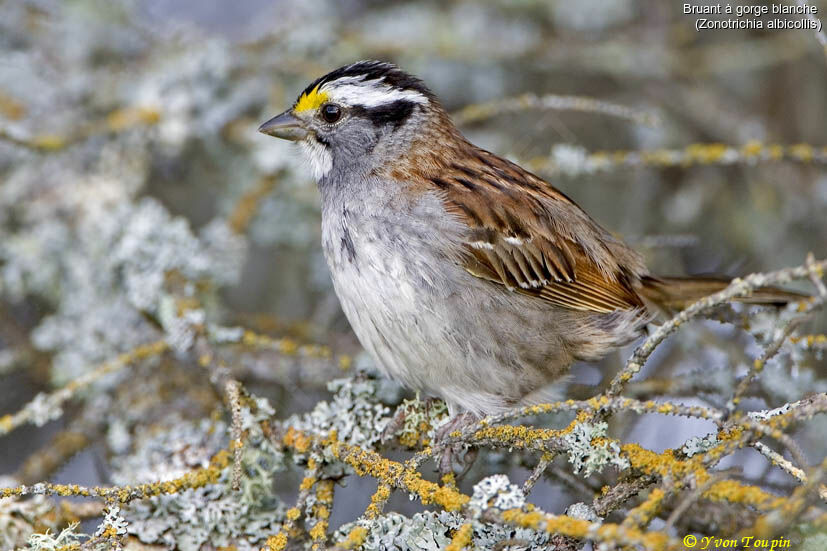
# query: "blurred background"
129,156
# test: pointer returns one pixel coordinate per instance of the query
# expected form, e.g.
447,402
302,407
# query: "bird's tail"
676,293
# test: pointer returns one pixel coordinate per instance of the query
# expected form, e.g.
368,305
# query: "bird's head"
359,116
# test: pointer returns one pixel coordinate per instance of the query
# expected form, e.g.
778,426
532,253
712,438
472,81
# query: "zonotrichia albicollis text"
462,274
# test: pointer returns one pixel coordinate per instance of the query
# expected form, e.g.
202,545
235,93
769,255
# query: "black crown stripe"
374,70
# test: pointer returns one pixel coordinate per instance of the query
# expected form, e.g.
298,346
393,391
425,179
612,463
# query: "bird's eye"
331,112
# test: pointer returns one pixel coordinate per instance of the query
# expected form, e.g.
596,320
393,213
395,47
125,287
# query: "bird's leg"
394,426
457,422
452,451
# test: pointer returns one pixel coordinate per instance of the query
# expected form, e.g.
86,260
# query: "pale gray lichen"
117,436
226,251
433,530
588,458
151,244
18,517
697,444
8,358
418,413
222,335
570,159
427,531
180,327
815,542
582,511
112,522
354,413
48,542
213,513
495,491
43,408
116,269
168,454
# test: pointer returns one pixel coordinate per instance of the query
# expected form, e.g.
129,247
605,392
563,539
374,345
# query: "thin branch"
233,392
45,407
739,288
574,160
481,111
769,352
280,540
778,460
542,465
193,479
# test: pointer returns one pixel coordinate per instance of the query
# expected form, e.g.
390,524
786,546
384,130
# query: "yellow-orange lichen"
277,542
462,538
516,435
523,519
324,491
307,483
582,529
321,512
129,117
449,480
297,440
319,531
5,423
736,492
643,513
391,473
377,501
666,465
355,538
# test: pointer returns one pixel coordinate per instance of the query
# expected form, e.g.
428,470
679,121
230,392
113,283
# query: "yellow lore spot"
310,101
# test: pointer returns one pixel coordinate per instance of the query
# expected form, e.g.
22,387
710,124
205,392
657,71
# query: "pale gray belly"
432,326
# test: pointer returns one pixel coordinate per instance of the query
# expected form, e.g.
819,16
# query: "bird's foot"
453,451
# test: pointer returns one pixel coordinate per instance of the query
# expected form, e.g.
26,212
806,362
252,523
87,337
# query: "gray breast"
397,270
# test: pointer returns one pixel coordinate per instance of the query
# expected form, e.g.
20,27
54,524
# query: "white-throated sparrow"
462,274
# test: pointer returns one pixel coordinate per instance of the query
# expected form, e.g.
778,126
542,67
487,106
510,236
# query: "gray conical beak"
284,126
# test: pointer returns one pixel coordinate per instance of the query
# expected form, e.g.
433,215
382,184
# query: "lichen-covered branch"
573,160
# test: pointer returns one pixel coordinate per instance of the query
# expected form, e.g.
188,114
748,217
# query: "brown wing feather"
530,237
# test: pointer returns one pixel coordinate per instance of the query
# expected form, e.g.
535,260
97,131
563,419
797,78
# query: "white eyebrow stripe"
352,91
341,81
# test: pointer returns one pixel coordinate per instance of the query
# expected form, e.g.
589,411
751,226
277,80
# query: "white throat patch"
319,157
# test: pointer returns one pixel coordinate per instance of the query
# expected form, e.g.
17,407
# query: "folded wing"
528,236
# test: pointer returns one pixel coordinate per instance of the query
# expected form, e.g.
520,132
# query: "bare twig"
542,465
778,460
688,500
233,391
45,407
769,352
279,541
482,111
